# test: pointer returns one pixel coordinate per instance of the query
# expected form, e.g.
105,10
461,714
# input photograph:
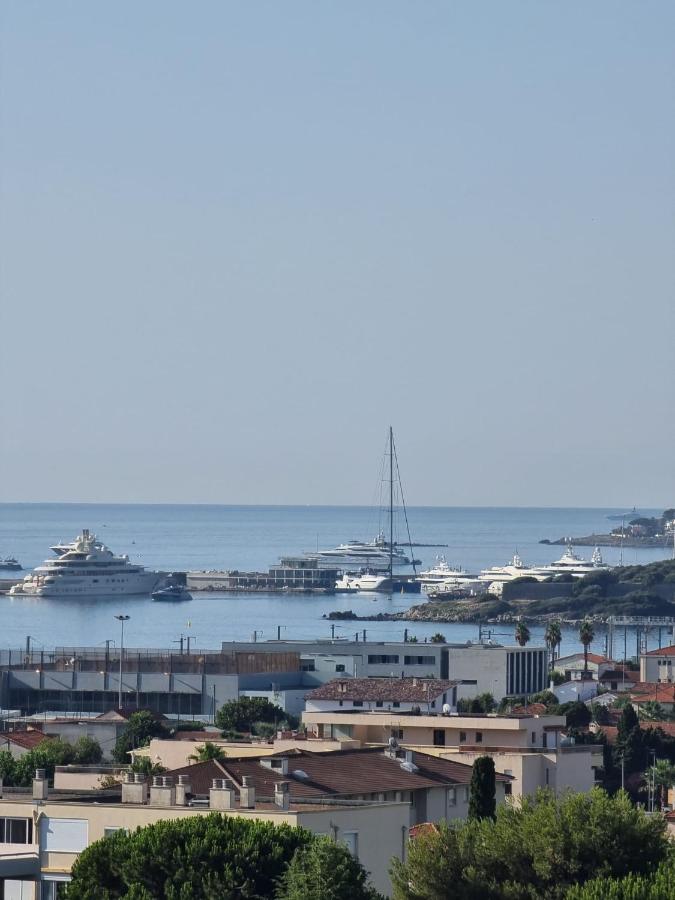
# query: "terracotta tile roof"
664,651
643,691
342,773
611,731
592,657
407,690
26,739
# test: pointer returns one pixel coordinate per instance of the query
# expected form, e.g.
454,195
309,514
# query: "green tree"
207,751
438,638
324,870
143,765
483,790
657,886
653,710
241,714
536,849
578,714
586,636
553,638
141,727
662,776
195,858
522,633
87,751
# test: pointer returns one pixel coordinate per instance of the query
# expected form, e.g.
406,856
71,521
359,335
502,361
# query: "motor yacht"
87,568
441,571
576,566
173,593
515,568
370,554
9,562
351,583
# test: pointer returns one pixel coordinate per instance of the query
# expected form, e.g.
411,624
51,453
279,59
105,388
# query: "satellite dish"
300,773
446,709
393,743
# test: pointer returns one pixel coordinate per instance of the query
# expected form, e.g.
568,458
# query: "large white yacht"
87,568
568,564
369,554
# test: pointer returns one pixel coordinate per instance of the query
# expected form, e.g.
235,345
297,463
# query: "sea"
251,538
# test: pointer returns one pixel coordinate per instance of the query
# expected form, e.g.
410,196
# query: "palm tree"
586,636
553,637
208,751
438,638
662,777
522,633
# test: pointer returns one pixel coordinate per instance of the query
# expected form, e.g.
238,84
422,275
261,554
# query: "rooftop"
339,773
407,690
26,739
663,651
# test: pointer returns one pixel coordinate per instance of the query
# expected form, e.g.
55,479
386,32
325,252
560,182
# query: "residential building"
656,692
367,799
530,747
572,666
406,694
18,743
657,665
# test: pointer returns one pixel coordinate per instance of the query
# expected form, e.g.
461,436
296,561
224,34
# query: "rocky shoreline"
606,540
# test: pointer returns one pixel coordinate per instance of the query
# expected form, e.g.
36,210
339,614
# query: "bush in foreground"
538,849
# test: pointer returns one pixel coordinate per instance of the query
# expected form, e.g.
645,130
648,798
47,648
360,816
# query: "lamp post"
121,619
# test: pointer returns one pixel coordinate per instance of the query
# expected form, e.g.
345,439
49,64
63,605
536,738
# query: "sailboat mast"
391,508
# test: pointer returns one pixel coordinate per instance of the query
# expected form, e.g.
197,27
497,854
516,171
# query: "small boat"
173,593
10,563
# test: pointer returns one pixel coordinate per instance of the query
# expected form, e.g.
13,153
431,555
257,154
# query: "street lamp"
121,619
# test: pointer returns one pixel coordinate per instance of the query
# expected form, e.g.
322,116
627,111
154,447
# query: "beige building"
530,748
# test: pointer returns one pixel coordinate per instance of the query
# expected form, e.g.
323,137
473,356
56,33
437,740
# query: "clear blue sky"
239,240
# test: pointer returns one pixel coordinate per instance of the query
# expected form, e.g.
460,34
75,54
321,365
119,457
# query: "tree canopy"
215,856
141,727
47,755
538,848
242,714
324,870
211,856
483,796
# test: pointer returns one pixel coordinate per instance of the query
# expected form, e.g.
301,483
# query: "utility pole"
121,619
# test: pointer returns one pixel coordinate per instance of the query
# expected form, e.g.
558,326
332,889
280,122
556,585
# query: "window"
397,733
396,704
351,839
439,737
340,667
452,797
16,831
508,789
479,737
534,737
63,835
466,795
379,659
109,832
419,660
307,665
462,737
357,702
379,704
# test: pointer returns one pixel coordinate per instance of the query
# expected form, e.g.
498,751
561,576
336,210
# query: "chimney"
162,792
221,794
40,785
183,788
282,797
408,756
134,788
246,793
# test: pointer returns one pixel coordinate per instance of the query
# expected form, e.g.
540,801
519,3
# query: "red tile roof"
643,691
407,690
531,709
611,731
342,773
26,739
663,651
592,657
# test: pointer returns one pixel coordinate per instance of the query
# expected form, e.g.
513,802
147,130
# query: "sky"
240,240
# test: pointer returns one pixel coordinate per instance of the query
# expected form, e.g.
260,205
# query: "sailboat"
382,554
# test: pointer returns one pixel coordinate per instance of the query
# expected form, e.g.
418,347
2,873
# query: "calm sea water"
253,538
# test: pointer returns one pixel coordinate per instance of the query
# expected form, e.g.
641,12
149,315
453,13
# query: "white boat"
369,554
173,593
352,583
576,566
441,572
87,568
568,564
